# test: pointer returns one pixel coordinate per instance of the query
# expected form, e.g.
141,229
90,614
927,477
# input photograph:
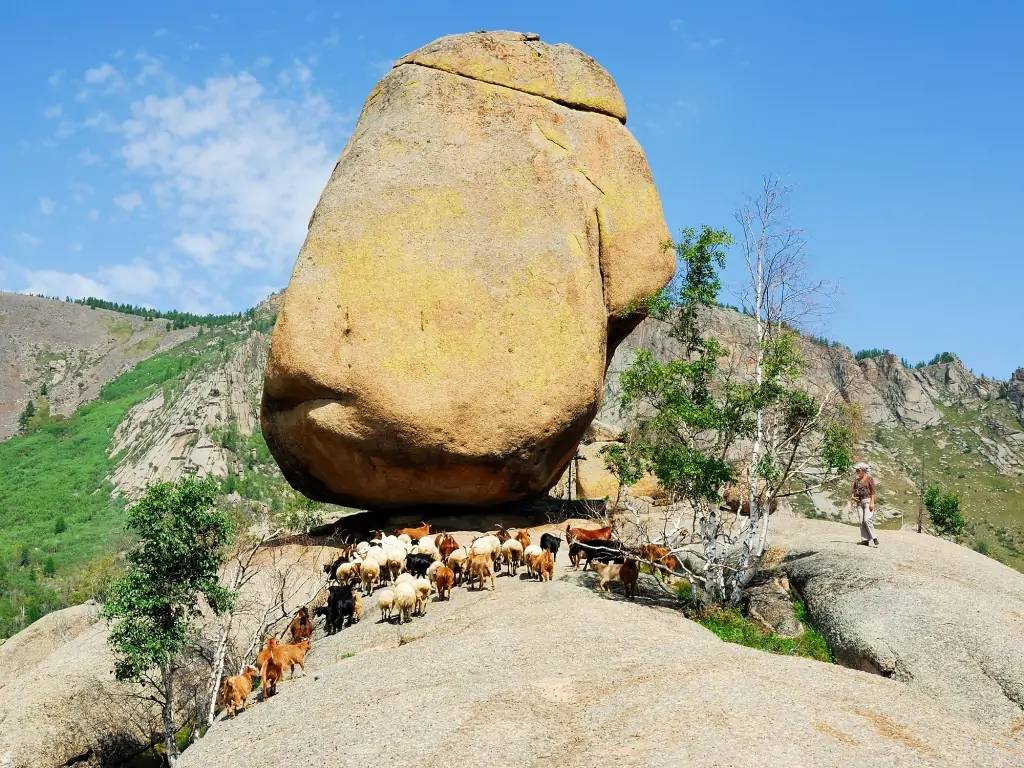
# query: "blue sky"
171,156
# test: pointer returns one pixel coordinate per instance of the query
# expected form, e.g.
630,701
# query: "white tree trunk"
217,673
168,715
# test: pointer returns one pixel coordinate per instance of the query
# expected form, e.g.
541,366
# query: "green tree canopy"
181,538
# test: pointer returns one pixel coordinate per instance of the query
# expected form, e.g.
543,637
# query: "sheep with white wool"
386,603
457,562
512,554
423,590
369,575
426,546
405,601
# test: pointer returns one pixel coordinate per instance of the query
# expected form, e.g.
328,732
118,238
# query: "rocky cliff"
71,349
937,423
200,415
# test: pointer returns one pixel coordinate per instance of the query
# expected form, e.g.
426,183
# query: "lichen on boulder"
478,252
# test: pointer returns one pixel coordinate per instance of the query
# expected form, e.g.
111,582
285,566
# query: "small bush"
60,526
981,547
733,627
944,510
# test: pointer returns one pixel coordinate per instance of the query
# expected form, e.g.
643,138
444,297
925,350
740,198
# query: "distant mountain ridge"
154,404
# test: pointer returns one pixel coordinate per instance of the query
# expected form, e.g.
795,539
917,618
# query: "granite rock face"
478,252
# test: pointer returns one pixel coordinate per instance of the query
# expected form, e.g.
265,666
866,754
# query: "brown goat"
629,574
415,533
502,534
444,580
481,567
587,534
293,655
658,555
523,537
445,544
542,564
236,689
301,626
271,670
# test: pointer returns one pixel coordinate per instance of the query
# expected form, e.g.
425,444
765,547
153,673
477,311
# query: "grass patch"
121,330
59,472
730,625
145,346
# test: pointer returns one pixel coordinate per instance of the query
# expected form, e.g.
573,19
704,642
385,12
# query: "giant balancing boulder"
477,254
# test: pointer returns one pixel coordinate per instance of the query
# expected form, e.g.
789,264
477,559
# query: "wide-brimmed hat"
862,465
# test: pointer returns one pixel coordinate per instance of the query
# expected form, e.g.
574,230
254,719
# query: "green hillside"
60,526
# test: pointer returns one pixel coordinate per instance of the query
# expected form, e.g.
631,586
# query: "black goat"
551,543
341,605
417,565
601,550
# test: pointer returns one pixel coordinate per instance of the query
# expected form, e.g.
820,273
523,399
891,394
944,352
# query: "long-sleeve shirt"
864,488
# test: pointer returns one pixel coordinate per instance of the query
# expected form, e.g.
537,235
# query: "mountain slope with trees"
192,409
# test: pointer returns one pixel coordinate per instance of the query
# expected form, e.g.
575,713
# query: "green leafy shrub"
944,511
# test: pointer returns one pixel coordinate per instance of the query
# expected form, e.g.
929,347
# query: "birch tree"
154,606
704,424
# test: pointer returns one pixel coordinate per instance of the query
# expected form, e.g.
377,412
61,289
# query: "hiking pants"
867,520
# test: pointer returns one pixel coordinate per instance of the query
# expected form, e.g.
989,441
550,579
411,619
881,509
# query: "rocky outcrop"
940,618
562,675
1014,393
59,704
72,349
475,258
195,428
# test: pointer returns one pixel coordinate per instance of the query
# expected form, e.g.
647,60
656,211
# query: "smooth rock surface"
558,674
59,703
941,618
474,259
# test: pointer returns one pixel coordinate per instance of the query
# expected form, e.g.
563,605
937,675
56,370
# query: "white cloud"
202,247
150,67
86,157
55,79
52,282
26,240
93,215
160,32
129,201
46,206
675,24
100,120
131,279
104,74
231,158
53,111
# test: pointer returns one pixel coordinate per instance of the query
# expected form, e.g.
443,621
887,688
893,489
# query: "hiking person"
863,495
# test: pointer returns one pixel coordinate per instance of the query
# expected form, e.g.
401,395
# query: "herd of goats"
414,564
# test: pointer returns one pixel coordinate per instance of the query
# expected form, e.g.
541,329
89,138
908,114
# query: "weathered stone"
595,481
939,617
559,674
477,254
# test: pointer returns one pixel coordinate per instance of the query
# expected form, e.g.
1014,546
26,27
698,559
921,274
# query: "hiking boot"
875,542
864,543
